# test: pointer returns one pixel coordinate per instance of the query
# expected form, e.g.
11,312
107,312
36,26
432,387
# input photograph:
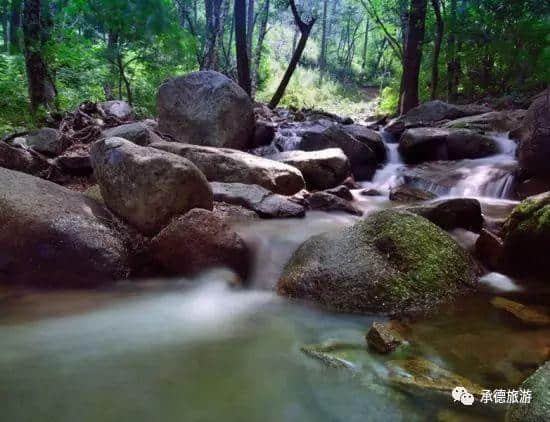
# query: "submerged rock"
361,156
405,193
341,191
54,237
420,376
322,169
206,108
382,338
526,235
539,407
393,261
146,186
138,133
429,113
335,354
528,314
253,197
232,166
197,241
454,213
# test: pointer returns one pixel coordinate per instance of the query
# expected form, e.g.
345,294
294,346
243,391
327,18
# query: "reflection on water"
212,353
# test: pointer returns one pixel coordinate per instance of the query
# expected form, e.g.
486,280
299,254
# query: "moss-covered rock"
539,407
393,262
526,235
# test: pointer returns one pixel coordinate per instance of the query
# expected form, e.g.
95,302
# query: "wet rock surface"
450,214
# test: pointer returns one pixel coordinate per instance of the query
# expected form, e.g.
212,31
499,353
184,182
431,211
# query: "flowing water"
198,350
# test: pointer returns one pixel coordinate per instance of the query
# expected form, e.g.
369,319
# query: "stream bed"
198,350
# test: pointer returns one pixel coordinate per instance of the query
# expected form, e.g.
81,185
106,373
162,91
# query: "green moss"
429,261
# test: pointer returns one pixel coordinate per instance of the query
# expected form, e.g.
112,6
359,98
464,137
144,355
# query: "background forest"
111,49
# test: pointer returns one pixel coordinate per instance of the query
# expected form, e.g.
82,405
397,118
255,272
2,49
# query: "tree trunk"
261,36
451,55
213,15
437,47
243,67
413,55
305,30
322,62
249,27
5,25
365,44
41,88
15,26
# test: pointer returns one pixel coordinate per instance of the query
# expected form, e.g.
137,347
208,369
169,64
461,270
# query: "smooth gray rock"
47,141
138,133
146,186
265,203
206,108
233,166
322,169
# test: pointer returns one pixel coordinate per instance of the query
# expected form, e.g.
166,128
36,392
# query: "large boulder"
430,113
322,169
197,241
232,166
538,407
494,121
145,186
138,133
258,199
393,261
526,235
325,201
454,213
361,156
206,108
54,237
370,138
432,144
47,141
534,139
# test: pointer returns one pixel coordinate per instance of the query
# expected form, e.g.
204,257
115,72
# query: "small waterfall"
390,175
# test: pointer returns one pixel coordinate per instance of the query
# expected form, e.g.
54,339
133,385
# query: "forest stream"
199,350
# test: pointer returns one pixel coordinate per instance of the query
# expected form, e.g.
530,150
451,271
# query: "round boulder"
393,261
53,237
146,186
206,108
197,241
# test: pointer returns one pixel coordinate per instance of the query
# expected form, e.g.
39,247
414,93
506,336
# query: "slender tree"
213,27
413,55
35,30
365,44
437,47
250,21
322,61
15,26
259,46
451,54
305,30
243,66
